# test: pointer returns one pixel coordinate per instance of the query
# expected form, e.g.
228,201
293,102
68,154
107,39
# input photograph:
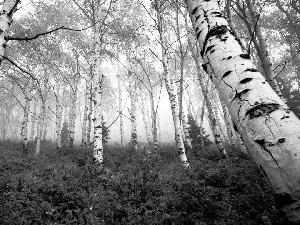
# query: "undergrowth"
134,188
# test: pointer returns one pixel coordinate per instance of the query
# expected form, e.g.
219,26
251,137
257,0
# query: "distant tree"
194,131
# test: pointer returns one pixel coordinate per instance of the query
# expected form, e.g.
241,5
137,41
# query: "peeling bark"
268,127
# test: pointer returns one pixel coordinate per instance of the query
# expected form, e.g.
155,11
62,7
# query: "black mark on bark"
262,109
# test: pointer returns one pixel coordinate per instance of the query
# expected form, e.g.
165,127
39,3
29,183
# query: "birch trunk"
97,99
24,129
72,114
58,120
39,130
121,113
211,117
7,10
89,128
172,93
33,121
85,115
144,113
25,126
186,131
155,122
268,127
134,141
218,116
263,52
228,122
98,137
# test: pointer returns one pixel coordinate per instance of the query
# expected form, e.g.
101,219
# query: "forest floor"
135,188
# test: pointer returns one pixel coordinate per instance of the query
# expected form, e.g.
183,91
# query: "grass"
135,188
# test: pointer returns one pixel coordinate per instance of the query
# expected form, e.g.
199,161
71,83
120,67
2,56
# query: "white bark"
85,115
211,116
39,130
144,114
33,120
268,127
262,50
172,93
89,127
98,137
72,113
97,97
24,130
228,122
186,130
133,94
58,120
7,10
155,122
121,112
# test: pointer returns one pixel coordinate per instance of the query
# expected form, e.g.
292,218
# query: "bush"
132,189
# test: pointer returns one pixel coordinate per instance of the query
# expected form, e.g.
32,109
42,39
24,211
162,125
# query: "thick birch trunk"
268,127
98,143
186,131
97,99
7,10
172,94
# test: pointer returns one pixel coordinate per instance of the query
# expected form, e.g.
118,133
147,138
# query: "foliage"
135,188
291,95
194,131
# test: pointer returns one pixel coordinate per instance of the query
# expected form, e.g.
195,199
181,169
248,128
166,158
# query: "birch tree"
6,13
170,85
268,127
